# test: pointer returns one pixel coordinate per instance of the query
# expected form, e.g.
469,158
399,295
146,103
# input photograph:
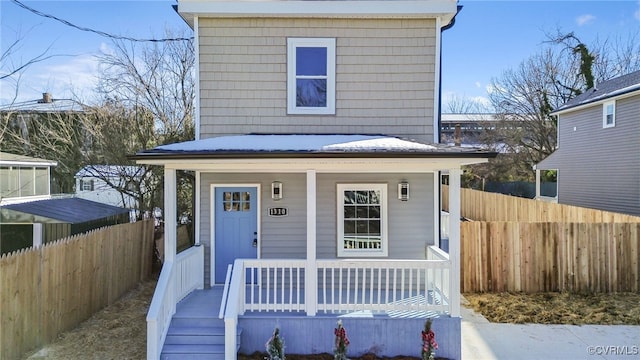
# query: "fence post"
37,235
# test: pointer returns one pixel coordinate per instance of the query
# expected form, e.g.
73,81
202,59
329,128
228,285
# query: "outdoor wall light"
276,190
403,191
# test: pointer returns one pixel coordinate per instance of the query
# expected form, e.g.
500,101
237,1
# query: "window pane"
349,227
374,227
362,197
311,92
311,61
246,206
374,212
374,197
236,196
349,197
226,196
363,212
349,212
246,196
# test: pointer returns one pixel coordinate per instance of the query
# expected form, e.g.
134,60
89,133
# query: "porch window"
362,220
311,64
609,114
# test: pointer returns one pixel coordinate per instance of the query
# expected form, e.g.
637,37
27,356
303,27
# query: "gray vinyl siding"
410,222
384,76
600,167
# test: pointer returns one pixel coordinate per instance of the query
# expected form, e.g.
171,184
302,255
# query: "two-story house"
598,154
317,182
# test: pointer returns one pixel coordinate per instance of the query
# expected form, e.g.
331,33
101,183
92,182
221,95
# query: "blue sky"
488,38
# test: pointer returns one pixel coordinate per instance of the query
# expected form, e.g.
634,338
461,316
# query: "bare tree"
149,93
158,77
525,96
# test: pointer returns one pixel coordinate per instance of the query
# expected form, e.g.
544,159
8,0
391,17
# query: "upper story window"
362,220
86,185
609,114
311,76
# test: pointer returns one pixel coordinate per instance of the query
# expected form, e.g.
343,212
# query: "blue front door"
236,227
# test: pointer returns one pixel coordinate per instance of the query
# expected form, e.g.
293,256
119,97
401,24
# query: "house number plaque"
278,211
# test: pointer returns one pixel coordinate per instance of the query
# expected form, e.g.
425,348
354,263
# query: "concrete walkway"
483,340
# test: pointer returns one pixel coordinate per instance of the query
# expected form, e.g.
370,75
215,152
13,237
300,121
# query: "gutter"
446,27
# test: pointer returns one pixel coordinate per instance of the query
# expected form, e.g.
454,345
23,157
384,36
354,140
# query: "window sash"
318,94
609,114
362,220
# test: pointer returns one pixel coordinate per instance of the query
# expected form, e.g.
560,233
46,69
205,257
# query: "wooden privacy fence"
485,206
518,244
51,289
550,256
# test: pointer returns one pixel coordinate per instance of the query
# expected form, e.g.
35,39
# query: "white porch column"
537,184
311,277
169,215
454,240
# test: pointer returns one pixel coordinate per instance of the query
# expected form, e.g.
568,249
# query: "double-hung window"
311,76
362,220
609,114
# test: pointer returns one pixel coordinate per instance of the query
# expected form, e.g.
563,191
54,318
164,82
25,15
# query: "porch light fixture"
403,191
276,190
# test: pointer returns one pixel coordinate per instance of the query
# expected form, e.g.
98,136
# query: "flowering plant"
275,346
429,344
342,342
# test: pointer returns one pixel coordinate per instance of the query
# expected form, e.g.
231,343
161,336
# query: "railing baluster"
371,287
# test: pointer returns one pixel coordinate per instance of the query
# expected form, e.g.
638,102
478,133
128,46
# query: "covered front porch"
382,303
303,293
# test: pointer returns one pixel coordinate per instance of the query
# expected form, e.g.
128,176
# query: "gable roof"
69,210
618,86
307,145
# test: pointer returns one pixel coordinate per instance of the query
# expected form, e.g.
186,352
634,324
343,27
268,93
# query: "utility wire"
101,33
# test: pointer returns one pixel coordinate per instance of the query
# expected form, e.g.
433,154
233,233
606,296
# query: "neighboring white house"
24,178
317,182
108,184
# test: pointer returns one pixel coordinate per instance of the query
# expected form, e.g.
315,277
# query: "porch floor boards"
206,304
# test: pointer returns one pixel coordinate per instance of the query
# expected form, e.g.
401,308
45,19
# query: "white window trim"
330,44
604,114
384,250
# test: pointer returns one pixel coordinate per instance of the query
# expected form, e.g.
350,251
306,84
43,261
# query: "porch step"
192,351
196,338
183,335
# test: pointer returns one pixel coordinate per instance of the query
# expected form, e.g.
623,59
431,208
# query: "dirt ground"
119,331
558,308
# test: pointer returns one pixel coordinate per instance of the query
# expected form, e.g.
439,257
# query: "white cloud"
636,14
478,84
585,19
66,78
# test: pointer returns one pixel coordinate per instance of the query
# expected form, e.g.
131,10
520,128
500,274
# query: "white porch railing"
176,281
376,285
